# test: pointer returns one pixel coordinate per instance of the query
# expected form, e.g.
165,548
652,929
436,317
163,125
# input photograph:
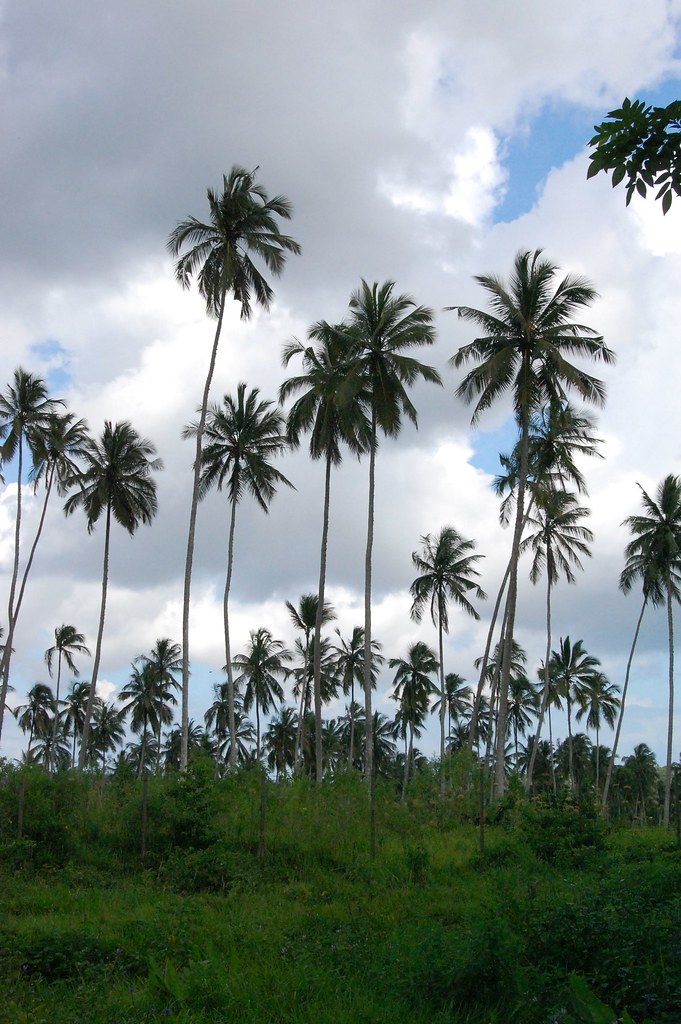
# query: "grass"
318,932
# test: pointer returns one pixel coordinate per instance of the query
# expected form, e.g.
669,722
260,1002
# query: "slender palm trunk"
352,722
143,751
369,734
228,653
551,761
407,761
12,589
85,735
598,763
670,725
568,702
298,756
613,755
499,767
318,625
56,711
257,729
547,684
184,746
443,701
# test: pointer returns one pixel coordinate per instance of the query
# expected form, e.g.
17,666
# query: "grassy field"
202,929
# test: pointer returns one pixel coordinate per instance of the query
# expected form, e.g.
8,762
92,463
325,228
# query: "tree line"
353,387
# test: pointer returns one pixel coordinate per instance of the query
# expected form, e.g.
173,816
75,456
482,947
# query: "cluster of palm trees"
353,386
287,743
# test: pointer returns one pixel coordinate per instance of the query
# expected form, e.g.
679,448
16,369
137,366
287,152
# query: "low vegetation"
172,898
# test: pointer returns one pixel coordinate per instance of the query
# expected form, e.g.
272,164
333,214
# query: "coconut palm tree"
281,741
653,585
116,483
458,699
654,556
557,543
384,328
446,565
150,704
571,670
600,703
25,410
243,223
259,671
73,714
413,686
36,715
304,618
331,410
523,706
242,436
108,730
56,446
350,671
67,642
303,690
528,338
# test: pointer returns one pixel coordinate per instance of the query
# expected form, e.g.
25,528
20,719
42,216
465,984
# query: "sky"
422,144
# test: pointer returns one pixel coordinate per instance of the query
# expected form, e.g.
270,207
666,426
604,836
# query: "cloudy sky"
422,143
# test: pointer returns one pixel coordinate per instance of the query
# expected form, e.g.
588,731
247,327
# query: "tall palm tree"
56,446
116,482
385,327
350,669
67,642
259,671
331,411
653,585
242,436
458,697
600,703
36,715
528,338
446,565
572,669
413,686
654,555
305,618
25,410
557,433
557,543
150,704
243,223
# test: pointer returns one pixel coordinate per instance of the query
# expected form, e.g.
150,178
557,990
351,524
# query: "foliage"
642,144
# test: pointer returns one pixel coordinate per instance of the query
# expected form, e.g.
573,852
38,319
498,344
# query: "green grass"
319,932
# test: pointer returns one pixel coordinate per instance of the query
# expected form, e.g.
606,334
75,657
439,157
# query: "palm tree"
25,409
523,705
67,642
281,741
571,670
73,714
330,410
151,705
413,687
529,335
447,573
599,702
242,436
35,716
243,222
557,543
304,618
654,556
647,571
383,328
56,445
116,482
458,698
108,730
641,765
259,671
350,670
